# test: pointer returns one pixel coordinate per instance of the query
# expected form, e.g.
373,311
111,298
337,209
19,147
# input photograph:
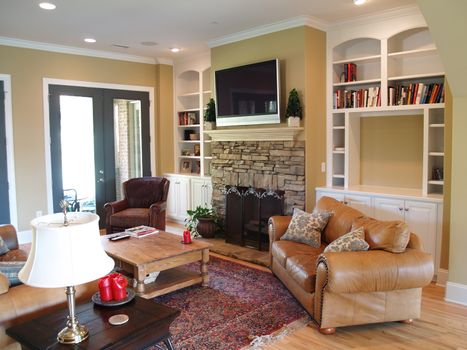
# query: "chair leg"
327,331
408,321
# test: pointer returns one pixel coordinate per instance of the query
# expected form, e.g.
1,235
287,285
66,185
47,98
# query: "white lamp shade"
64,256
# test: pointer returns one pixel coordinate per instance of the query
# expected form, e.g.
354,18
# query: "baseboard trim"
456,293
442,277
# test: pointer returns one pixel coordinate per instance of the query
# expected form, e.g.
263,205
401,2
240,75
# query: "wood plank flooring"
442,326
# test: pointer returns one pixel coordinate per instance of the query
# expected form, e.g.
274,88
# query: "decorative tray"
130,295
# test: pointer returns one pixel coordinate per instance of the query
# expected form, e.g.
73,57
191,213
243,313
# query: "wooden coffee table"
162,252
148,325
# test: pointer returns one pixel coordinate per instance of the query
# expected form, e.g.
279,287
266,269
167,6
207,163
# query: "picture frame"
185,166
197,149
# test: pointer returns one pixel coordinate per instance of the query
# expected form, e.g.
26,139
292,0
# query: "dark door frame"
101,95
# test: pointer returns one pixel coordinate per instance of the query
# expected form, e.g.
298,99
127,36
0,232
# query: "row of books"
370,97
416,93
188,118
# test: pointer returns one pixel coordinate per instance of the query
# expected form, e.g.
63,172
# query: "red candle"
105,288
119,284
186,237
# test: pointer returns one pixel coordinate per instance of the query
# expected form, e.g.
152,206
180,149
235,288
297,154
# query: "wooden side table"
148,325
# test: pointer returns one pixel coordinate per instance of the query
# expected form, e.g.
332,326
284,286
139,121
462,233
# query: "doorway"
99,138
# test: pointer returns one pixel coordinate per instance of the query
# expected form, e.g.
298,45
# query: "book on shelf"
415,94
350,72
141,231
370,97
188,118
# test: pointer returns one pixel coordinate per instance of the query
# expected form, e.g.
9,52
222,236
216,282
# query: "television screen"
248,94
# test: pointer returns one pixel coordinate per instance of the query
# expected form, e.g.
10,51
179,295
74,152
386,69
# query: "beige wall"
391,151
448,27
165,125
301,52
27,69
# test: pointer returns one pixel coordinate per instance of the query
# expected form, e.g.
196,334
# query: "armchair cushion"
306,228
392,236
3,247
350,242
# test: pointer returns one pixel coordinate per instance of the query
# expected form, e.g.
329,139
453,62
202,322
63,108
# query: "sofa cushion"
130,217
3,247
282,250
306,228
392,236
353,241
341,220
302,269
10,269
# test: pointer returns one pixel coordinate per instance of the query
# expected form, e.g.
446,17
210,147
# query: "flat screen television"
248,94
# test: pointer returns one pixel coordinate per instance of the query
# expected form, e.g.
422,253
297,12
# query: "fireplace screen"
247,213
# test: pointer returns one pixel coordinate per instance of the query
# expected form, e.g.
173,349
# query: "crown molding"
36,45
270,28
376,17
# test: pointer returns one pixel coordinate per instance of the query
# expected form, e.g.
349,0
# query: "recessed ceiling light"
174,49
47,6
90,40
359,2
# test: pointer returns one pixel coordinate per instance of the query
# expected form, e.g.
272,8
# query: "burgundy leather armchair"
144,203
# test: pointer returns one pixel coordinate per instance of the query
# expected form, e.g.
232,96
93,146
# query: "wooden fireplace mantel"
257,134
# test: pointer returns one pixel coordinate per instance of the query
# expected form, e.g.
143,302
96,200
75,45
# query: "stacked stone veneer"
277,165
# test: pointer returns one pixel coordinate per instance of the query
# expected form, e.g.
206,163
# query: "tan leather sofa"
22,302
350,288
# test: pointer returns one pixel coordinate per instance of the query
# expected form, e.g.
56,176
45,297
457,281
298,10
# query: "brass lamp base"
73,335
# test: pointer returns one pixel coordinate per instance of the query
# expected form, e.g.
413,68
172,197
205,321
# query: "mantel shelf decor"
257,134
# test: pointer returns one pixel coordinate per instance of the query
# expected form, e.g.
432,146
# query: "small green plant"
210,113
199,212
294,109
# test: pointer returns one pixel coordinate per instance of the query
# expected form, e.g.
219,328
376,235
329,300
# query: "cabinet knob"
400,209
406,209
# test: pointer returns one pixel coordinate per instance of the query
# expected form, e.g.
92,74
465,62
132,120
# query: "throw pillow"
353,241
10,269
3,247
306,228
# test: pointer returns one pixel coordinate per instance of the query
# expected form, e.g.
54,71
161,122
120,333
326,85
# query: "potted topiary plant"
210,115
293,112
201,221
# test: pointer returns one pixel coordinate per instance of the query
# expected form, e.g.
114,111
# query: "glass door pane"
128,142
77,149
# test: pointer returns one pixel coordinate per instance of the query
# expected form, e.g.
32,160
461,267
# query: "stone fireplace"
271,165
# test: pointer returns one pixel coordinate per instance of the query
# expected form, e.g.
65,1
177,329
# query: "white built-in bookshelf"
404,73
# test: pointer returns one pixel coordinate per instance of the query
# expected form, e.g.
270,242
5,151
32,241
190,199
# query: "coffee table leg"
204,268
139,281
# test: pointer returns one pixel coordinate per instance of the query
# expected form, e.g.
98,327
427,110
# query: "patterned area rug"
241,306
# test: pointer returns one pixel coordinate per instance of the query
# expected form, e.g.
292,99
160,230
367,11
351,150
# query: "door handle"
101,179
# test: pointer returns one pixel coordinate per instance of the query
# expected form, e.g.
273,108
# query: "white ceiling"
188,24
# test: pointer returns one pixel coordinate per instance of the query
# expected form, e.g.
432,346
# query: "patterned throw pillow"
10,269
3,247
306,228
350,242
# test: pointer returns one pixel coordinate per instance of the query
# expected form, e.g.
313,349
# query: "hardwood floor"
442,326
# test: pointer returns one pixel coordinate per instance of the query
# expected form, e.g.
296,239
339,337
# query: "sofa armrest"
158,207
277,227
8,233
112,208
373,271
4,284
157,215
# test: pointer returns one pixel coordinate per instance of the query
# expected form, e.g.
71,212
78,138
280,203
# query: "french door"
4,191
99,139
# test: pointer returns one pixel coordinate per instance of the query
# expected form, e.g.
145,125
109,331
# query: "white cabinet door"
197,193
421,219
361,203
388,208
336,196
178,198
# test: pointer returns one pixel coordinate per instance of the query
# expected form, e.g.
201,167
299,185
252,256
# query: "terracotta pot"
206,227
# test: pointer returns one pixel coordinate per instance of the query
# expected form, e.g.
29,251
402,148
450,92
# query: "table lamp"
66,251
